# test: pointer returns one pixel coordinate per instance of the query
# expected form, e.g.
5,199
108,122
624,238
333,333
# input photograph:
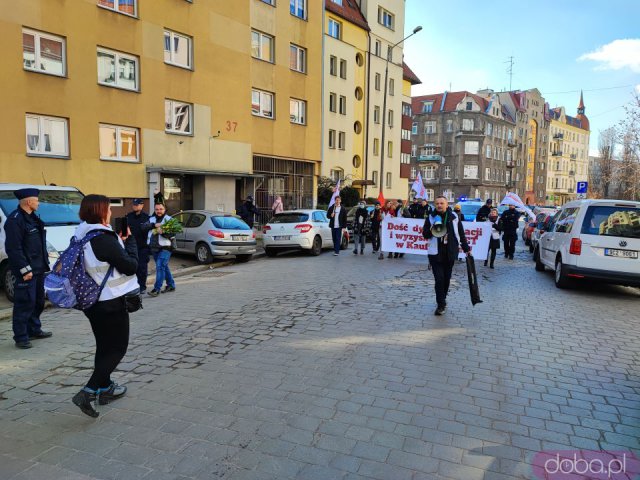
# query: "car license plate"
239,238
614,252
282,237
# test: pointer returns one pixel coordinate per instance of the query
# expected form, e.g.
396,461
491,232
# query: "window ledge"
118,12
181,134
48,155
108,85
179,65
263,60
262,116
120,160
42,72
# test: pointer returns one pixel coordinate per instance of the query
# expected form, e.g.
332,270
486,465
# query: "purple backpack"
69,285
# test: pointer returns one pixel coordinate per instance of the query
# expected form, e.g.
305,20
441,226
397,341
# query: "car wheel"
560,277
203,253
8,281
243,258
536,258
271,252
316,247
345,243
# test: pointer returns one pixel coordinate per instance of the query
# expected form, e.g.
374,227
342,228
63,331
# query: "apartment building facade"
127,97
463,145
408,164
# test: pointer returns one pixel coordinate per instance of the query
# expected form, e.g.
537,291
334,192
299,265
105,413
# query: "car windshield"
613,221
229,223
57,207
294,217
470,208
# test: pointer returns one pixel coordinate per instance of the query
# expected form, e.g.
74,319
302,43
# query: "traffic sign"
581,196
582,187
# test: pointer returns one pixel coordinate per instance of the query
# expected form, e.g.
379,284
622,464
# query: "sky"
559,47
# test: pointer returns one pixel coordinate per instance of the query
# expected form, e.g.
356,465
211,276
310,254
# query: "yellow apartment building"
344,86
204,101
568,154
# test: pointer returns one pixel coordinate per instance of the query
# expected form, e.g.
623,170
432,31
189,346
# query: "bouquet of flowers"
169,228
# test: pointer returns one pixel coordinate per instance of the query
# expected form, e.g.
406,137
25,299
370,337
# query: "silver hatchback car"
210,234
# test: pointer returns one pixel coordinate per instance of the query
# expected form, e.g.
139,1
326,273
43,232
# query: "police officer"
26,248
135,219
509,222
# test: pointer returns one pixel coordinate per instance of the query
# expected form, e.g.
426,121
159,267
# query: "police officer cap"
26,193
138,201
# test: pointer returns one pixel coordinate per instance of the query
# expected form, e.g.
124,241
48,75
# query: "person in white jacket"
160,247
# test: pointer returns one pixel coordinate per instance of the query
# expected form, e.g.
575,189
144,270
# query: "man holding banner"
446,236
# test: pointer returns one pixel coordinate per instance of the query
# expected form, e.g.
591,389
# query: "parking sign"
582,187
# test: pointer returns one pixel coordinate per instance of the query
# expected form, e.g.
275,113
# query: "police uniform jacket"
509,220
26,243
135,223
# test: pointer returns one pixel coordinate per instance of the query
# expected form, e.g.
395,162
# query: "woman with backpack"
111,260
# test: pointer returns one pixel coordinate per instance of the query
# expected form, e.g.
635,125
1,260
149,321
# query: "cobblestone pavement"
333,368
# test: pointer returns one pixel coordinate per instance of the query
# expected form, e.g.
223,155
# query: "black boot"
485,263
84,399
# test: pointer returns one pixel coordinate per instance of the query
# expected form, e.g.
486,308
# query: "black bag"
473,281
133,301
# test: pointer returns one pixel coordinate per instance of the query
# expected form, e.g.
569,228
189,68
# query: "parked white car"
59,207
595,240
299,229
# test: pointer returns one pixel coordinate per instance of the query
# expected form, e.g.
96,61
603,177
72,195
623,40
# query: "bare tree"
629,136
602,172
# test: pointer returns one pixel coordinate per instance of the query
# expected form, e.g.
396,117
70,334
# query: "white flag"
418,187
512,198
336,193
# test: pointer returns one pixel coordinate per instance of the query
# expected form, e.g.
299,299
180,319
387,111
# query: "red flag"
381,199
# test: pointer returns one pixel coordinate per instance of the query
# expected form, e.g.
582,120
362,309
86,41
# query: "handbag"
133,301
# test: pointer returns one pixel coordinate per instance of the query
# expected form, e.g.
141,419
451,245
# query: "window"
405,134
429,149
42,52
405,158
47,136
430,194
178,49
470,171
337,174
414,128
128,7
390,149
469,106
333,100
178,117
343,68
118,143
386,18
618,221
335,29
298,111
447,172
262,46
429,127
429,172
269,2
117,69
390,118
377,81
414,150
487,173
388,182
471,148
376,146
377,48
406,109
427,107
374,177
332,139
298,8
342,138
414,172
337,2
449,125
333,65
376,114
343,105
391,86
467,124
489,130
262,103
488,151
297,58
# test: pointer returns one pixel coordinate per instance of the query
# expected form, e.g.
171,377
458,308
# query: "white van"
593,240
59,207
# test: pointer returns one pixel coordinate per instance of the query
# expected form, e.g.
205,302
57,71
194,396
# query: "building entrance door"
178,192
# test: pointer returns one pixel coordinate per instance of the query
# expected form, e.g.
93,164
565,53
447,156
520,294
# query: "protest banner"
404,235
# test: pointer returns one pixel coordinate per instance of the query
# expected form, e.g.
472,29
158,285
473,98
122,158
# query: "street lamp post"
384,102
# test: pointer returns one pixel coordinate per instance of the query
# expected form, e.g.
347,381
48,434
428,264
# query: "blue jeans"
162,269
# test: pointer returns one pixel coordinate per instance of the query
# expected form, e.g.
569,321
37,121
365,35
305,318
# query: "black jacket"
509,220
106,248
342,221
26,243
358,225
497,226
135,222
483,213
415,209
453,247
376,217
247,212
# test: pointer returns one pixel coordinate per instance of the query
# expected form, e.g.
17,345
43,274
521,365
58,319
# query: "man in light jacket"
160,247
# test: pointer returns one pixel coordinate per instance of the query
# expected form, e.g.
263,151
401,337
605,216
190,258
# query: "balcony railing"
512,143
511,164
429,158
558,136
556,154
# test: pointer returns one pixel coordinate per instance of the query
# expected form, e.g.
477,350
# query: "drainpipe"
366,116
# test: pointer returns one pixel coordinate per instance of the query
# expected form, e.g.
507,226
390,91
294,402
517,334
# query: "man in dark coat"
26,247
360,227
135,219
337,221
443,251
248,211
509,221
416,210
484,211
376,217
